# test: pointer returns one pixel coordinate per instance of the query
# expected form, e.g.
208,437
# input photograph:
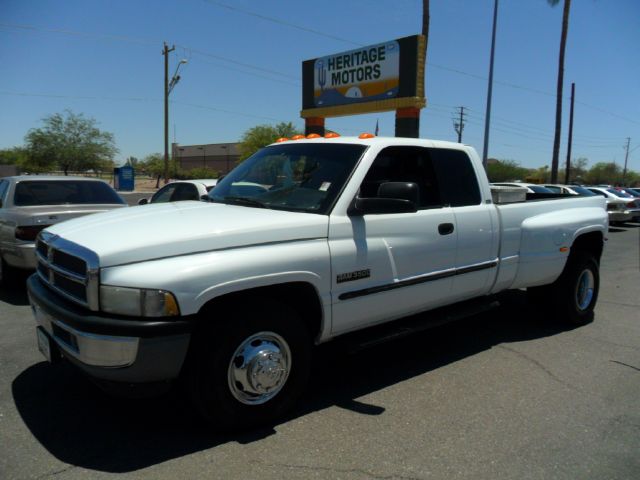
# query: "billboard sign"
379,77
362,75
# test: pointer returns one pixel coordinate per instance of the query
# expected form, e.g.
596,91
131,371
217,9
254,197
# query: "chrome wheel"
259,368
585,289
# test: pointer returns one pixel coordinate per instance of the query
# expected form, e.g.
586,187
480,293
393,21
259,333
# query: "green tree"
13,156
577,170
132,162
563,44
505,170
152,164
539,175
604,173
262,135
70,142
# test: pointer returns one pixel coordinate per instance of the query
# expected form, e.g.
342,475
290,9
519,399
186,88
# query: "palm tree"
563,44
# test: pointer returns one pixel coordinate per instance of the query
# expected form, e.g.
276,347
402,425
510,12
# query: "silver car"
30,203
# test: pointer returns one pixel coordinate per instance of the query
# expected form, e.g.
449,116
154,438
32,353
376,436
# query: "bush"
200,172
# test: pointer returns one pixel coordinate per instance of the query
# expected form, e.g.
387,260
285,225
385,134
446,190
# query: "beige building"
217,156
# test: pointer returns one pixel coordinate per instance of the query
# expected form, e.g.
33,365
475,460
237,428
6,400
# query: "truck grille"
69,269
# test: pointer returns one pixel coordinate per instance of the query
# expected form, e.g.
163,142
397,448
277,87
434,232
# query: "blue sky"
103,58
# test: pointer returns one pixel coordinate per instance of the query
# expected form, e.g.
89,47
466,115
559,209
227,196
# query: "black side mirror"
205,198
393,197
143,201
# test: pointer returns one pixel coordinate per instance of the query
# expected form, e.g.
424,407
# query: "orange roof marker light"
313,135
297,137
282,139
366,135
332,135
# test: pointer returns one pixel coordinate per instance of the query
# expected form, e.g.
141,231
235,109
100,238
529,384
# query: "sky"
103,59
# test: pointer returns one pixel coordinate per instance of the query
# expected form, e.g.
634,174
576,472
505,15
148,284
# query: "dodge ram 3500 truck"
304,241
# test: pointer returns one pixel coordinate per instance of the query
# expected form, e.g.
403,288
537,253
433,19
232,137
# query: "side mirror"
204,198
393,197
143,201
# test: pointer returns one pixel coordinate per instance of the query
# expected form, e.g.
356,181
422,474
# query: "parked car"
632,204
30,203
181,190
634,192
531,187
569,189
621,209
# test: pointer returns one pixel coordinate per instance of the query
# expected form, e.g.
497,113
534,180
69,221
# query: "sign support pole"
314,125
408,122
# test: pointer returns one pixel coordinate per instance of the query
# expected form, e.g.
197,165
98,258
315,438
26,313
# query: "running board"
373,336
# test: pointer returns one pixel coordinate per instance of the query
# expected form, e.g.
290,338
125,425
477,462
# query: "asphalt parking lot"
504,394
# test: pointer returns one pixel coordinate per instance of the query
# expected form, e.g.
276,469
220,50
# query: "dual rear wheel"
573,296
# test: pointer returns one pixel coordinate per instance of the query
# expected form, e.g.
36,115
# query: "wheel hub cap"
584,289
259,368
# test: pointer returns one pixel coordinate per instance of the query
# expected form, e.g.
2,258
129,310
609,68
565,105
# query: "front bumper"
118,349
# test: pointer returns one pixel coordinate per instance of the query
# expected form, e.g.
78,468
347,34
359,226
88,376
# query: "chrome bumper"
88,348
20,255
117,349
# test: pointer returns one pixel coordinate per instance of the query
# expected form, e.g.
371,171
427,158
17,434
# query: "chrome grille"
69,269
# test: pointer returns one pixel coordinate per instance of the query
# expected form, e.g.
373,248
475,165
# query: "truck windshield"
293,176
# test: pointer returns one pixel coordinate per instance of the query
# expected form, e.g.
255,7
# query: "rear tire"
249,365
574,294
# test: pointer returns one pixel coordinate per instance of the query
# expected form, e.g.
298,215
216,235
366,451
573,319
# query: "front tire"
250,365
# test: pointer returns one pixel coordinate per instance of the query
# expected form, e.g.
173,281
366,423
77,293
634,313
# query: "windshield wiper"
245,201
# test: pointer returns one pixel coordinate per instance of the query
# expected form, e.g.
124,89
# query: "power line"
139,99
150,42
282,22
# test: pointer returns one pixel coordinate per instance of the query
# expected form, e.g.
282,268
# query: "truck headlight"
138,302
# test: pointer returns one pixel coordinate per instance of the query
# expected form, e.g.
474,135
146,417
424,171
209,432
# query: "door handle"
445,228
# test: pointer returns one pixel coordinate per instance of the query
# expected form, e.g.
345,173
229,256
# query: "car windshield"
61,192
297,177
618,193
583,191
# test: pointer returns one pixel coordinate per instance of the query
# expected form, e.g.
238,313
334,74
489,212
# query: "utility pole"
573,96
626,157
165,52
487,119
459,125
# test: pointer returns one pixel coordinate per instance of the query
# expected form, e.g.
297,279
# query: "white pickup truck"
305,241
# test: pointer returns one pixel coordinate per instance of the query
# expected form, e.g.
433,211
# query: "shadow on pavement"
82,426
16,292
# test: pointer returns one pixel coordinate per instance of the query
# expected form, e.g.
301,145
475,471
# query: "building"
221,157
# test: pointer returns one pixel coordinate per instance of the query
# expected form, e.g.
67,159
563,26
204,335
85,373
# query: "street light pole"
487,119
165,52
168,87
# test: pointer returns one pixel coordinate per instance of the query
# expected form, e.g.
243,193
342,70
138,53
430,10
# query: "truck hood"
149,232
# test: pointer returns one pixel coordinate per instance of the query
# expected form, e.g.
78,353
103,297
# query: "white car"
531,187
623,206
569,189
182,190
